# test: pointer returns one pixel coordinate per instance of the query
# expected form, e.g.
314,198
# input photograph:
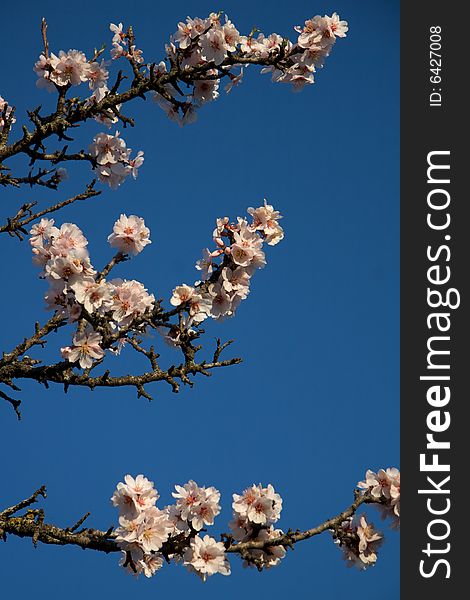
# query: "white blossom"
86,348
213,46
181,294
93,295
130,235
134,496
206,557
129,300
5,109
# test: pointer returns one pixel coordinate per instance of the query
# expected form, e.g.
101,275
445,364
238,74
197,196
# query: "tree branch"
27,525
15,226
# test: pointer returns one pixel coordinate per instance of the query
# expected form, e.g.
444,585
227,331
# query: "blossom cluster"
209,42
72,68
359,542
113,159
106,311
206,51
78,292
239,249
385,486
314,44
5,112
147,534
255,512
119,45
357,538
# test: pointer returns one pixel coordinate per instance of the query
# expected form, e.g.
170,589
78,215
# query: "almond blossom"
235,80
335,26
367,535
206,264
97,75
385,486
75,262
213,46
92,294
129,299
268,558
265,219
181,294
119,34
153,529
151,563
197,505
86,348
43,69
71,68
68,237
236,280
134,496
42,232
5,112
206,90
185,33
359,542
258,504
206,557
130,235
231,35
113,162
200,307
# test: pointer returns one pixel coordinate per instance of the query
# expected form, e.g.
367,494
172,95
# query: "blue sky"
316,401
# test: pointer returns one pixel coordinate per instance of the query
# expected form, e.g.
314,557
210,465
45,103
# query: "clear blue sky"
316,401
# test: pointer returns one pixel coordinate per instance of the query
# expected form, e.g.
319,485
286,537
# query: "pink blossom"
213,47
200,306
134,496
43,69
113,159
181,294
97,75
42,232
271,556
91,294
151,563
129,300
86,347
130,235
5,108
258,505
205,90
205,557
235,80
231,35
72,68
205,265
119,34
221,302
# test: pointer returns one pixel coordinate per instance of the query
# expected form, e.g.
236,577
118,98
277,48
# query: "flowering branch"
147,535
108,315
198,57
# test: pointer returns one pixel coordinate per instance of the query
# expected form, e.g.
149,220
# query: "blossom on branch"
130,235
206,557
385,486
113,162
5,113
359,542
86,348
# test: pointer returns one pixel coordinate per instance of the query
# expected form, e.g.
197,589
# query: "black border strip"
435,230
